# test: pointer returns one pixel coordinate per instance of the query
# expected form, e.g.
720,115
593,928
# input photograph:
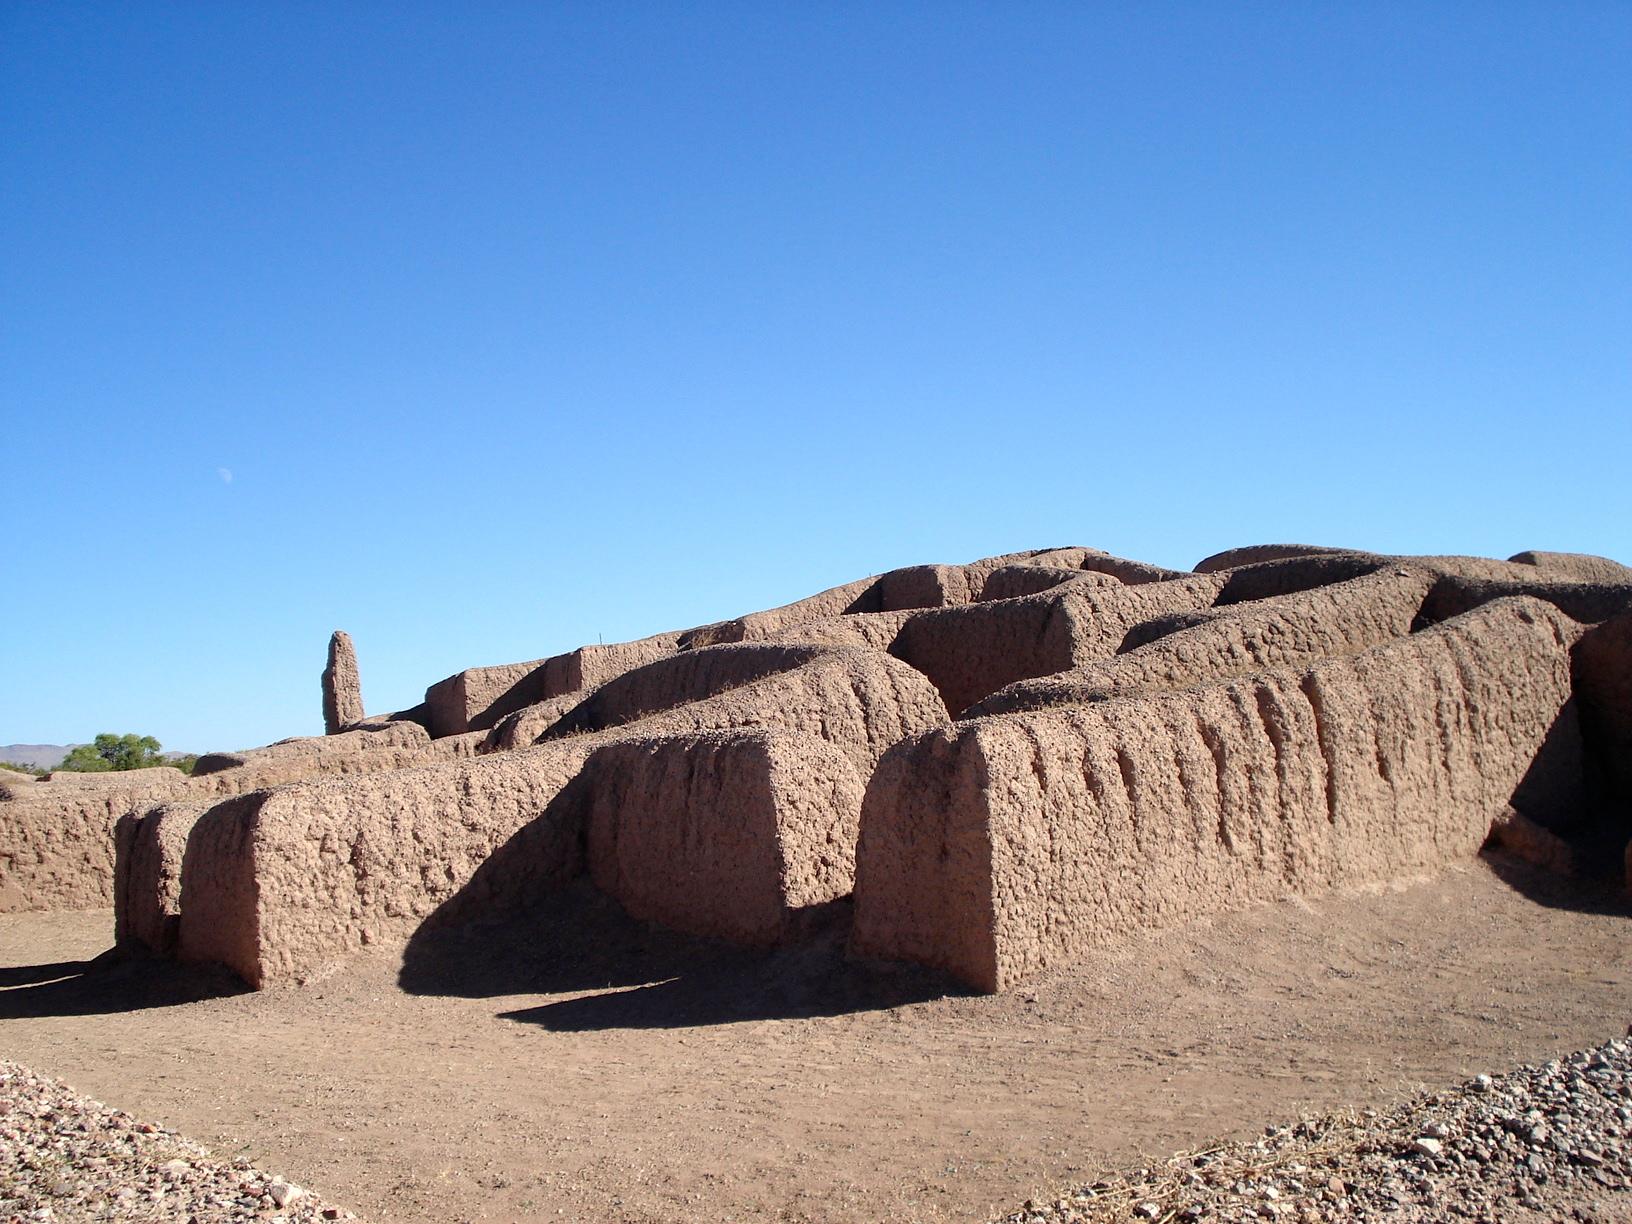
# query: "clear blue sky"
486,330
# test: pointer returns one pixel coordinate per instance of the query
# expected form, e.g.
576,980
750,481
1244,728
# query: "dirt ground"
589,1068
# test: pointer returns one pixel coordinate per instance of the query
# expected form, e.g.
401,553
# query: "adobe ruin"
999,765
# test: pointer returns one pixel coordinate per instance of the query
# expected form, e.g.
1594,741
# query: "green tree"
112,752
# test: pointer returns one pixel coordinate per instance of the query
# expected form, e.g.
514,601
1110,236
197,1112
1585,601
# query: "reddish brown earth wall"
1577,567
588,667
1217,643
1142,746
728,834
58,839
476,698
969,653
281,884
1231,558
148,850
1004,845
56,836
907,589
693,675
1603,680
526,726
860,701
386,745
868,630
280,889
1016,581
1587,602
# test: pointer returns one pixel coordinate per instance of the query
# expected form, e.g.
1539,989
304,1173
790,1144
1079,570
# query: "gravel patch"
65,1157
1547,1142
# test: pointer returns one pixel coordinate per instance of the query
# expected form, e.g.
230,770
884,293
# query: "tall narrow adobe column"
342,688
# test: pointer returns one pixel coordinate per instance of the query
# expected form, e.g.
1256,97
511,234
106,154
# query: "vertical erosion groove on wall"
1354,785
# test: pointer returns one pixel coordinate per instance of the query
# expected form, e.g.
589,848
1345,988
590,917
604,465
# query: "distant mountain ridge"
36,756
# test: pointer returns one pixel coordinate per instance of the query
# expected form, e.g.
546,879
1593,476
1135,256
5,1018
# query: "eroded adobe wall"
385,745
860,701
340,864
922,587
526,726
480,698
903,590
1232,558
1140,745
1576,567
1216,643
476,698
726,834
858,596
1603,679
869,630
588,667
280,884
1015,581
1587,602
970,652
149,846
694,675
56,836
1007,844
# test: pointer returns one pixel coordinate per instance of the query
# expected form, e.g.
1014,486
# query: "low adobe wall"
1603,679
280,886
1587,602
526,726
860,701
1252,554
869,630
1217,643
727,834
1576,567
367,749
1017,581
908,589
149,845
692,675
948,586
588,667
476,698
479,698
970,652
1004,845
56,836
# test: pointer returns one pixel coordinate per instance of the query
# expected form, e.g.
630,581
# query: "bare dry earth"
591,1068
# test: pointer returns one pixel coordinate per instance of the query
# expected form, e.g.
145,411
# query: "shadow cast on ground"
111,983
1593,889
645,977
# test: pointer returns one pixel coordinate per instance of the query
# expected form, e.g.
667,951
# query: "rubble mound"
998,765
